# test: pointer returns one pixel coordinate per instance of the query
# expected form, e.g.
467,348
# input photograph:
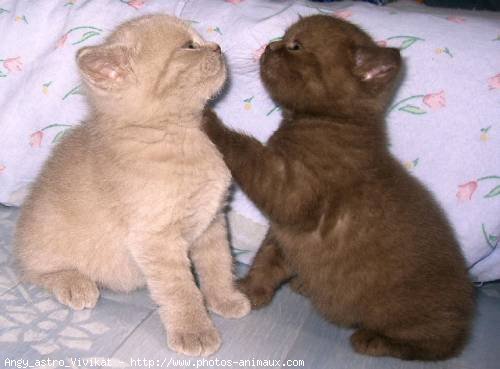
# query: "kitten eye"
190,45
294,46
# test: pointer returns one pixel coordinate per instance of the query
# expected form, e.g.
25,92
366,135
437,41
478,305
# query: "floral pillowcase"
443,123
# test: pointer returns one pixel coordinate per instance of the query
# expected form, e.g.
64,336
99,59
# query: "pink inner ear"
375,63
105,64
377,72
100,68
111,72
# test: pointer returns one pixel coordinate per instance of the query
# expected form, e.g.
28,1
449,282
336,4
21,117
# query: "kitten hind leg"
70,287
369,342
268,271
213,263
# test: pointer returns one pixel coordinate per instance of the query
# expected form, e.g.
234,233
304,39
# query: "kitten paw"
77,293
297,286
367,342
194,342
259,296
233,306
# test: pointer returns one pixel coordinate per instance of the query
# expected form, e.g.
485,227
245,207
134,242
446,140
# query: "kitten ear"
105,67
376,65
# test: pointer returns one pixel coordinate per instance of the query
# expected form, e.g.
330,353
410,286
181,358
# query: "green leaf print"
214,29
412,109
407,41
90,31
400,102
276,108
21,19
190,21
74,91
491,241
494,192
59,136
86,36
55,126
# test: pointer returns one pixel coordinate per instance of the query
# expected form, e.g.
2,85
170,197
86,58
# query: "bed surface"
442,125
126,327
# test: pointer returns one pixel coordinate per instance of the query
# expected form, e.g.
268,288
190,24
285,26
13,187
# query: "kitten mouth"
213,66
268,69
218,80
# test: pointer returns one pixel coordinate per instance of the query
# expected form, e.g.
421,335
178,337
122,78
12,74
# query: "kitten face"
325,65
155,60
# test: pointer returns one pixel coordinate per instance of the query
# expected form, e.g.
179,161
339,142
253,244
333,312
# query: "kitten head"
152,64
324,65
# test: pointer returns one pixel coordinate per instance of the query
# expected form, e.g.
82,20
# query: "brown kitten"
134,196
363,239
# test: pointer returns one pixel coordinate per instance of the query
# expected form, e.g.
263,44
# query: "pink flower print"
343,14
456,19
382,43
13,64
234,1
136,4
494,82
2,168
36,139
435,101
466,190
62,41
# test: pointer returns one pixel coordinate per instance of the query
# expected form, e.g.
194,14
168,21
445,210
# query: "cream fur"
135,195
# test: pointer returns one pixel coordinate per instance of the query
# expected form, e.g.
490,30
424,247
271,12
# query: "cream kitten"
135,195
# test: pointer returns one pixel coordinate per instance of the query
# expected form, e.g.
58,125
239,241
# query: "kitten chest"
185,189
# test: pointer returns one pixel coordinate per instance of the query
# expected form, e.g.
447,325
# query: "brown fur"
363,239
135,195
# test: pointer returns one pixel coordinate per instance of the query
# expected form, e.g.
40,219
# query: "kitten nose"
214,47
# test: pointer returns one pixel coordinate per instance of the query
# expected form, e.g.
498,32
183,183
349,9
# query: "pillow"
465,4
378,2
443,123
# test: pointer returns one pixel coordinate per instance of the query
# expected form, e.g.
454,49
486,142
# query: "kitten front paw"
211,125
259,296
197,341
233,306
77,293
